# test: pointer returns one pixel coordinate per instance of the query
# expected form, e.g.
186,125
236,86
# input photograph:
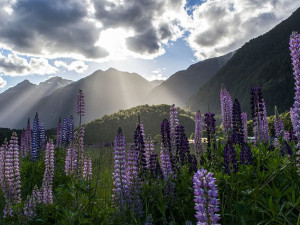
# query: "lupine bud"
206,198
278,124
198,134
71,128
65,133
139,143
28,139
23,144
35,149
265,126
226,108
30,208
246,157
182,146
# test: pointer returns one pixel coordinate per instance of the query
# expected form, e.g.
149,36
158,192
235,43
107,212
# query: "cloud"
14,65
220,26
2,82
78,66
156,74
99,30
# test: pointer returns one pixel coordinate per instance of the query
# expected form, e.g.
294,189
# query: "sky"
40,39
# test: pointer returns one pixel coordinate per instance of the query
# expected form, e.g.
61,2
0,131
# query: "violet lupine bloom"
28,138
182,146
11,182
245,126
226,108
48,174
286,149
265,126
2,167
278,124
206,198
246,157
37,194
80,151
230,161
257,112
71,161
237,136
149,151
65,133
133,182
43,141
167,171
119,175
71,128
174,122
139,144
30,207
35,149
87,169
295,56
59,134
198,134
211,130
80,106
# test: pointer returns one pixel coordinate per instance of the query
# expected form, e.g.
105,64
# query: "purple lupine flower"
119,175
43,140
149,151
230,161
65,133
87,169
265,126
59,134
257,112
149,220
198,134
182,146
37,194
286,135
71,161
211,130
71,129
167,171
206,198
237,136
226,108
278,124
293,120
35,149
48,174
139,143
245,126
165,134
11,181
80,106
28,138
133,182
246,157
2,167
286,149
30,207
80,151
174,122
298,162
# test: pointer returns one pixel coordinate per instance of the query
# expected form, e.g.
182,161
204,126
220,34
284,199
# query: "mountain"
183,84
105,92
263,61
104,129
17,102
156,82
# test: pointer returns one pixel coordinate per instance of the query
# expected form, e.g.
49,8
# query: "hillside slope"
263,61
104,129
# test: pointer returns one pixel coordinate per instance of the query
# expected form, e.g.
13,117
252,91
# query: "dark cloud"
165,31
144,43
57,26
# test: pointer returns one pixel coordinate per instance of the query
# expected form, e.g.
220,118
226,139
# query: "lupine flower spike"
198,134
206,198
80,106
